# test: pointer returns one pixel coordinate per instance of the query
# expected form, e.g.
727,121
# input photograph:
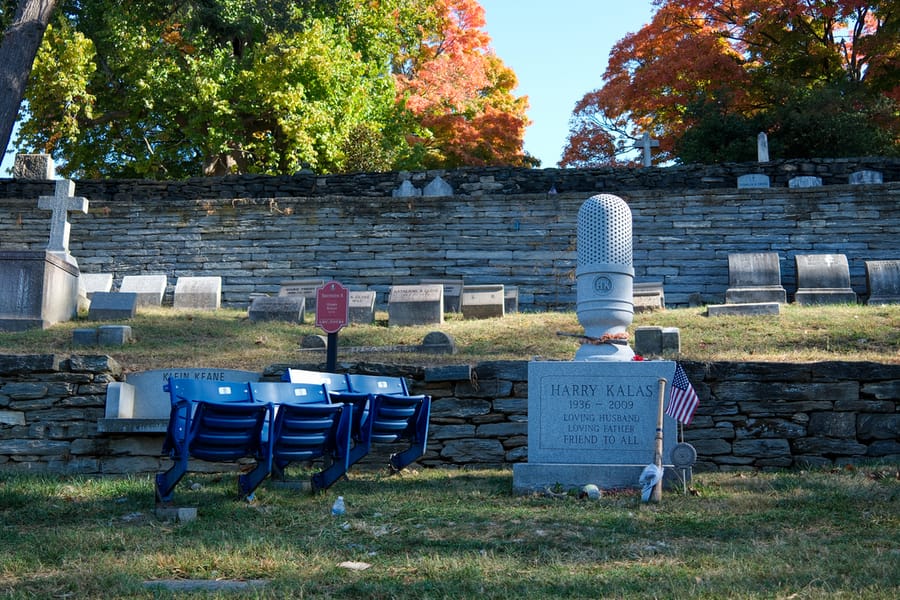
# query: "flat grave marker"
362,307
198,293
290,309
112,306
150,289
883,281
823,279
416,305
483,301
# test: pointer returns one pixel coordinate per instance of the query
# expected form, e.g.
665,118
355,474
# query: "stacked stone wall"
256,236
751,415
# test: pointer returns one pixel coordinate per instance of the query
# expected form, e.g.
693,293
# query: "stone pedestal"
37,289
593,422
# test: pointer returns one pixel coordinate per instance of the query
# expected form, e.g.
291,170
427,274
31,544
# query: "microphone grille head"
604,231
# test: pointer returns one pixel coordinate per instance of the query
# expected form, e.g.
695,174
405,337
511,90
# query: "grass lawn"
165,338
462,534
456,534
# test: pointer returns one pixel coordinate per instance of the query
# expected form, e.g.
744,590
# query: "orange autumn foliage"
460,94
741,56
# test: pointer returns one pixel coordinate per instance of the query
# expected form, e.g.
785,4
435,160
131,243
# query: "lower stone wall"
751,415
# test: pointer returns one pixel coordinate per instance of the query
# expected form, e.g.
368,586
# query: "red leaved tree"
709,65
460,95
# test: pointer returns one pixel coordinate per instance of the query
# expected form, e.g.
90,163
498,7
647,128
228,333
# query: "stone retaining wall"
751,415
256,238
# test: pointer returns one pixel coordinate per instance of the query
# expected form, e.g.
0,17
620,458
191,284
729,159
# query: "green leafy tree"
210,87
207,87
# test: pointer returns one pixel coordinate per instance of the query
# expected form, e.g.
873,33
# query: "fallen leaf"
354,565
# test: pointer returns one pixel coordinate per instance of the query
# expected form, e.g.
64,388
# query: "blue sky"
559,50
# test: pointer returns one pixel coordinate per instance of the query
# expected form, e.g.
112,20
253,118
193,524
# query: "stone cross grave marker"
61,203
645,144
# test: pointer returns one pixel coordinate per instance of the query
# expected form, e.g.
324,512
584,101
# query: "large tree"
460,95
23,25
705,76
162,89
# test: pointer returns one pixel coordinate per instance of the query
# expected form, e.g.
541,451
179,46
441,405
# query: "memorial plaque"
416,305
150,289
483,301
332,307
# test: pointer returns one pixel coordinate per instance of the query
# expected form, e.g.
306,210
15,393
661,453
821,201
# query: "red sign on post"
332,307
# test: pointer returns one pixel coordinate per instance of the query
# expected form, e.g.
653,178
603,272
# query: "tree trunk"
17,51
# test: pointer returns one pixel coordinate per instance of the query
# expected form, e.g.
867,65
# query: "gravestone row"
755,282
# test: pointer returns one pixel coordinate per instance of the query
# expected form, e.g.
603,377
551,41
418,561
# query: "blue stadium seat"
305,432
218,422
393,415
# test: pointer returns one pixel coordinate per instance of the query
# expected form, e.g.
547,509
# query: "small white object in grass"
591,491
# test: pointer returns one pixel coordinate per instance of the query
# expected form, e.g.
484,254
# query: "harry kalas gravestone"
40,288
594,420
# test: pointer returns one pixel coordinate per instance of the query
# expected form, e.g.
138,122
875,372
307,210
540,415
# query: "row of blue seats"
333,417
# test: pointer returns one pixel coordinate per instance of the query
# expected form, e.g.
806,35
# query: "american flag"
683,399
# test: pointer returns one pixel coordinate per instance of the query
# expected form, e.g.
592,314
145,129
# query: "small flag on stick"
683,399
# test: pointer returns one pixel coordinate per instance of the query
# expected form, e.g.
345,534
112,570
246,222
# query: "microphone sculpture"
604,278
